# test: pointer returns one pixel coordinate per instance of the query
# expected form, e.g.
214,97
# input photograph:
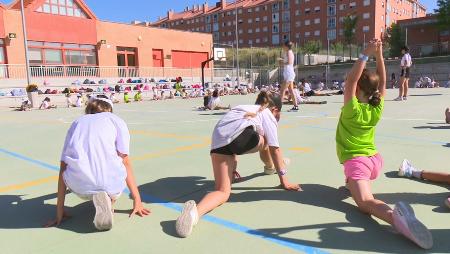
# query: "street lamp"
25,42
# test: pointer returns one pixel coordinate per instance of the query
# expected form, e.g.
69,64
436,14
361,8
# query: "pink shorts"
363,168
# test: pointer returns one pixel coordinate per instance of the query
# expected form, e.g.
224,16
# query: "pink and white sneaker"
406,223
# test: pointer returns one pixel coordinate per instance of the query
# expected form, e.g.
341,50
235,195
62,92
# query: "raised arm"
381,69
355,73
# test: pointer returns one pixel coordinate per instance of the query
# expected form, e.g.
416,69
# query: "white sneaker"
398,99
272,171
406,223
103,219
405,169
405,98
187,220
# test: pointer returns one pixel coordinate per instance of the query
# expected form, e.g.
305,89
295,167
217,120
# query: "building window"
366,29
276,7
332,10
43,53
307,22
257,30
2,52
366,15
317,9
286,4
307,34
366,2
62,7
250,31
286,27
332,22
342,7
286,16
275,39
352,5
331,34
275,28
317,33
276,17
317,21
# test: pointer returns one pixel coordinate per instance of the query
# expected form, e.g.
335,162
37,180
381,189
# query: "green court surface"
170,152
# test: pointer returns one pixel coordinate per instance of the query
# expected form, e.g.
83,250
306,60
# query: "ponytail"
266,100
375,99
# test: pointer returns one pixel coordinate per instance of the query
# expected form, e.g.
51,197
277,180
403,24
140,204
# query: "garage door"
188,59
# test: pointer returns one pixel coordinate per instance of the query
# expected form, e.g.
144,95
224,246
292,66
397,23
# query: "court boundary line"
173,206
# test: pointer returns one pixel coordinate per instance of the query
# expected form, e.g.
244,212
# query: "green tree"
311,47
337,48
395,40
350,23
443,14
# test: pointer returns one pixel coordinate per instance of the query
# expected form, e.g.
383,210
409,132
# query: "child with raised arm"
95,164
245,129
356,150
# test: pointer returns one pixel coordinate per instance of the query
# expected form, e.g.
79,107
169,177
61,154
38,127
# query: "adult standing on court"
405,64
288,73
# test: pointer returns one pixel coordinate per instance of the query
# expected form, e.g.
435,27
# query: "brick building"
264,23
424,37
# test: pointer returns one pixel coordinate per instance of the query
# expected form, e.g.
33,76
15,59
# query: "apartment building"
263,23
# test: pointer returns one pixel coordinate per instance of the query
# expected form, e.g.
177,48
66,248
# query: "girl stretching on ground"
406,169
362,110
245,129
95,164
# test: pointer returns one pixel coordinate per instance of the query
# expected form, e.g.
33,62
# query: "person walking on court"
243,130
405,64
288,73
356,150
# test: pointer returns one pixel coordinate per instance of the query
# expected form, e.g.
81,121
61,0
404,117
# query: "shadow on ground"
19,213
359,233
437,127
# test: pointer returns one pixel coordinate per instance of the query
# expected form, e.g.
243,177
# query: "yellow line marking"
301,149
28,184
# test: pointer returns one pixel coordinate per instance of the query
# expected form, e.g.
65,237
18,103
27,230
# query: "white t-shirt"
90,152
307,88
406,60
45,105
214,102
234,122
79,102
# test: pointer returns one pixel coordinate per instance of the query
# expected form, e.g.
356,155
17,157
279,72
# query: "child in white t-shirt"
46,104
214,102
95,163
243,130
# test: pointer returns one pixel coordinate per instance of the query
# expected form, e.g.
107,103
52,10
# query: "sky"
149,10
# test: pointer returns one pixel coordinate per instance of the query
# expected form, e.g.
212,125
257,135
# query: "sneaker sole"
103,219
420,232
401,171
184,223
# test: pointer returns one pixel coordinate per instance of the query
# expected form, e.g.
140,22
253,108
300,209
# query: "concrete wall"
438,67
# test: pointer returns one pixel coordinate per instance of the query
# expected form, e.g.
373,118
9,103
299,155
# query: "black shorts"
244,143
310,93
405,72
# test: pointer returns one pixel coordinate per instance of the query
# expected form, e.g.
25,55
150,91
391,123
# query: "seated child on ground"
95,164
113,98
138,96
214,102
126,97
46,104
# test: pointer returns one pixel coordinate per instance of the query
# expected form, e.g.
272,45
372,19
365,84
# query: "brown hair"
368,83
98,106
269,100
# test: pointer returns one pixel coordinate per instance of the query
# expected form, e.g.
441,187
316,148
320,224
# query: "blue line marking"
218,221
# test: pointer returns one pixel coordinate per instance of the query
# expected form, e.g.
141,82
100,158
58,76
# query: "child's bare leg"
223,174
291,92
283,91
436,177
362,194
447,115
405,87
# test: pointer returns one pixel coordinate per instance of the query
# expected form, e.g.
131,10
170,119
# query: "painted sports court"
170,145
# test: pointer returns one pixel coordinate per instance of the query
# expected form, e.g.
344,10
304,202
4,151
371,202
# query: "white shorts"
289,74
